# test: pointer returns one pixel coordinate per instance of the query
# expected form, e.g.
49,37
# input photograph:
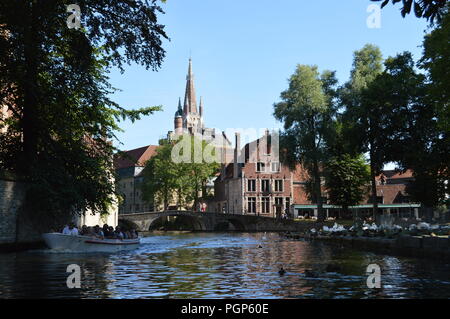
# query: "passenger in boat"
88,231
70,229
118,233
66,230
98,232
134,234
111,233
84,230
106,231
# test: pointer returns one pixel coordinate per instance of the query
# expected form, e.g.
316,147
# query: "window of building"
265,185
251,185
251,205
265,205
260,167
279,201
275,167
279,185
278,206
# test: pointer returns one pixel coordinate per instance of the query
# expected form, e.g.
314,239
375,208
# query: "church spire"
201,107
179,111
190,102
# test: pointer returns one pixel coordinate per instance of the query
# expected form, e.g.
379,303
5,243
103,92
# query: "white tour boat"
88,244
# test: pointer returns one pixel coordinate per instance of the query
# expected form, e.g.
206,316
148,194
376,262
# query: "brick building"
392,198
129,168
256,183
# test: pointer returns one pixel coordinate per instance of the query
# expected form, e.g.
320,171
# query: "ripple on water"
220,266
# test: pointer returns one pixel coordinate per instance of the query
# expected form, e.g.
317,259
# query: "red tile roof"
136,157
394,174
392,194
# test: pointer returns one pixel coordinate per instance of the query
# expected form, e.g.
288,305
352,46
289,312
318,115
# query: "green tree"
413,135
53,80
436,63
346,180
418,128
429,9
185,178
160,177
307,110
401,92
364,113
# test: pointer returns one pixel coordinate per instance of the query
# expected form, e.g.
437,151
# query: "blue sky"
243,52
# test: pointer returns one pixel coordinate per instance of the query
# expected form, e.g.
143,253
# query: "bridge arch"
212,221
128,224
182,220
227,224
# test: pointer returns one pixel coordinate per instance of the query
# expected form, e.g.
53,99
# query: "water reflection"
221,266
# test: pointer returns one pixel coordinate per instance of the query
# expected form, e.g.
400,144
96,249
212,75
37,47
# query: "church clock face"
192,119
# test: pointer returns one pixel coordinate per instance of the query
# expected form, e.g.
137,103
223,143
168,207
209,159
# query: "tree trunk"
166,202
374,188
30,122
179,201
318,191
345,211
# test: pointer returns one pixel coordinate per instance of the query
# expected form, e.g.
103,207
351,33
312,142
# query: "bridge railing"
192,212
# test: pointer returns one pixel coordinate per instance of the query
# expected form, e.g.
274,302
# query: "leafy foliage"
429,9
422,138
166,180
363,112
436,62
346,179
53,81
307,110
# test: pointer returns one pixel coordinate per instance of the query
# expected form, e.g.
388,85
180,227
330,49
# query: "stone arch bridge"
207,221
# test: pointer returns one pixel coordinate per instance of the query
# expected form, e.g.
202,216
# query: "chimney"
237,151
268,142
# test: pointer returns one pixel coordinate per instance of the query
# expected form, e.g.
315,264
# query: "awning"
406,205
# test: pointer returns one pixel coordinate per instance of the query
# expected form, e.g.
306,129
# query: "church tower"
191,119
188,118
178,121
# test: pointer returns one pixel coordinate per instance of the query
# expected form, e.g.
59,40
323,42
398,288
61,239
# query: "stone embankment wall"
410,246
15,230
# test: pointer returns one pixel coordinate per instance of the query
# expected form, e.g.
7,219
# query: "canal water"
221,265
